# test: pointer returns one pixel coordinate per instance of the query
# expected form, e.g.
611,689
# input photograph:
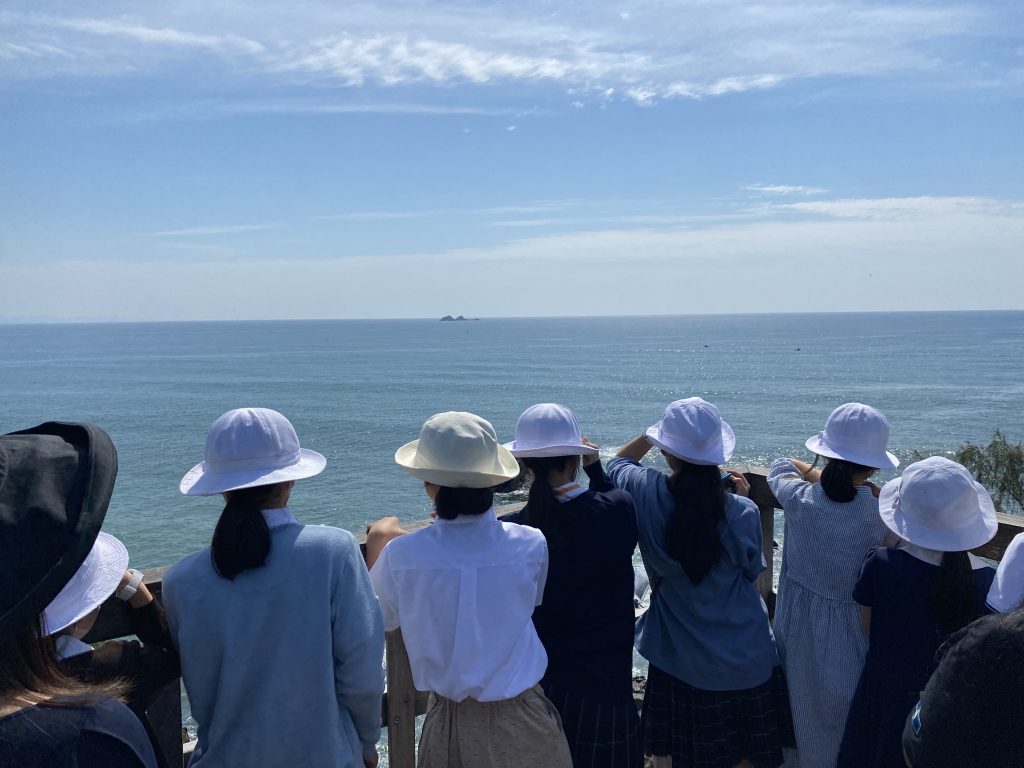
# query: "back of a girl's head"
969,713
837,479
241,540
542,505
691,534
450,503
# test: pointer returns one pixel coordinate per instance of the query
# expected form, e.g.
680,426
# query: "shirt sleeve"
627,474
384,586
1007,590
150,624
864,589
599,480
785,481
751,541
542,577
358,631
170,611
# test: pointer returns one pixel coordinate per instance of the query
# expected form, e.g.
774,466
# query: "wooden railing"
402,702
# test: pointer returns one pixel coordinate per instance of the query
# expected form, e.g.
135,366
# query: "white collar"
276,518
934,556
469,519
568,491
69,645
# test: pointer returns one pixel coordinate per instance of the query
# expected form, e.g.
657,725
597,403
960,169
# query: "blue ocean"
357,390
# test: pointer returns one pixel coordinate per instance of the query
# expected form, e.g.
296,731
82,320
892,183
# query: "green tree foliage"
999,466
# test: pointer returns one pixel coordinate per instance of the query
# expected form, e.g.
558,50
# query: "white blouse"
463,591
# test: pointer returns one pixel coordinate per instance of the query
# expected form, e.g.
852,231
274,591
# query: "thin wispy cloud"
540,206
784,189
596,53
905,208
224,229
211,109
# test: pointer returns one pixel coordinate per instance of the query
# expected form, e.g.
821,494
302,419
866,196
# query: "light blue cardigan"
283,664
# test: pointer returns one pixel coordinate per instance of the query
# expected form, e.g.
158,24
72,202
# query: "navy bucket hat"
55,485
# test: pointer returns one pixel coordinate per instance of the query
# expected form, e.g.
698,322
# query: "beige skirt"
524,731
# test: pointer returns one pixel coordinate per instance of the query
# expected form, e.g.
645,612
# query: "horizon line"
436,318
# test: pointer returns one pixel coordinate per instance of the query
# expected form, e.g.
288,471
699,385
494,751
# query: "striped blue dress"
817,621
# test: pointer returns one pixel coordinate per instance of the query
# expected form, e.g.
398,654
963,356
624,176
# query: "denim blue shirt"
714,635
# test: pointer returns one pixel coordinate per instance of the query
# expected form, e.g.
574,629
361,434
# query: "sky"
190,160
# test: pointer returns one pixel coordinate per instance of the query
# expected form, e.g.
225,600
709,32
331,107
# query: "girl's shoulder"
741,511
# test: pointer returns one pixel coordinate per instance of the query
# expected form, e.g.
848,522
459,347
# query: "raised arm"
807,471
635,449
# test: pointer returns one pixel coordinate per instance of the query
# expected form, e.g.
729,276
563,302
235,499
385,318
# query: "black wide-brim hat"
55,485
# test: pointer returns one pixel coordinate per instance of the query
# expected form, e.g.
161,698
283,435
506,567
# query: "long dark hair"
837,479
29,667
952,598
450,503
542,505
691,536
241,540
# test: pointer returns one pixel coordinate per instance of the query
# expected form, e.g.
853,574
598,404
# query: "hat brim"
980,531
83,509
85,592
547,451
506,469
884,460
660,440
201,481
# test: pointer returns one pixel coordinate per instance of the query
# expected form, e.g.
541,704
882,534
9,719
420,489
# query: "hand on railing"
739,483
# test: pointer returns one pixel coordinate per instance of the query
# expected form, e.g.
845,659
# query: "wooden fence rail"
402,702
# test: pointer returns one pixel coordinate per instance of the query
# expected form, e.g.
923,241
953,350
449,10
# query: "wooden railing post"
401,705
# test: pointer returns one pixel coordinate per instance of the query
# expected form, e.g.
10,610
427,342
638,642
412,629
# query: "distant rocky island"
450,319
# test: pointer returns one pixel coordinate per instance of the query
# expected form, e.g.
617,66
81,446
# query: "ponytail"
241,540
450,503
691,535
952,598
837,479
542,505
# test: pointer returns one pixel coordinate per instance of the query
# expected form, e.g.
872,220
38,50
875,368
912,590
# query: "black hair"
691,535
837,479
241,540
952,597
542,506
450,503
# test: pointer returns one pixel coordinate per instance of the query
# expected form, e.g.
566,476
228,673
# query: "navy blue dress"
901,654
586,625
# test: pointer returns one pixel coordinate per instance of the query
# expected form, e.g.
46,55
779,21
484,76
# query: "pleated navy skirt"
600,734
716,729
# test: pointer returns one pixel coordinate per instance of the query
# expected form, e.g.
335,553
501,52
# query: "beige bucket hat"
458,450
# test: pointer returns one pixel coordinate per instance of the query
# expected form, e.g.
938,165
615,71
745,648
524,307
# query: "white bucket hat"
248,447
1007,591
458,450
95,580
856,433
548,429
693,430
937,505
